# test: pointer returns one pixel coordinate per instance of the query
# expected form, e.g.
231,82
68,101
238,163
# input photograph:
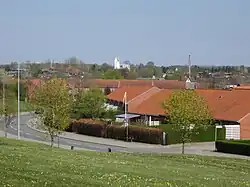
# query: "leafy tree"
13,65
53,101
112,74
188,113
89,104
74,62
105,67
8,106
150,64
35,69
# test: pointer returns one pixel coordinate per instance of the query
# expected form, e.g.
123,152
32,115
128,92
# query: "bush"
102,129
241,147
88,127
138,134
207,135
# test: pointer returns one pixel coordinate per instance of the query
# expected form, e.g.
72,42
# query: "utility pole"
125,114
189,66
18,101
4,112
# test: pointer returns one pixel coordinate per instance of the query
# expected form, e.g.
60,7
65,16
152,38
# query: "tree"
188,113
74,62
112,74
14,88
8,106
53,100
35,69
89,104
105,67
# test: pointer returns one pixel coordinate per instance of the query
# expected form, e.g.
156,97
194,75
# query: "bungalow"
229,107
135,95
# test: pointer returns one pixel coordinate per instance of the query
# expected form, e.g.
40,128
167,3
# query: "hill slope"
31,164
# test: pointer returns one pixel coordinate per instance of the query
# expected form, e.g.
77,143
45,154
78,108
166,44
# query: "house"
135,95
230,107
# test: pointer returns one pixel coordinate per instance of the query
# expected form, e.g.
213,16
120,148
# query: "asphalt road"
26,132
29,133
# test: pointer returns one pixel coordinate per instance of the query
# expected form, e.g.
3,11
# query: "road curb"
65,137
33,128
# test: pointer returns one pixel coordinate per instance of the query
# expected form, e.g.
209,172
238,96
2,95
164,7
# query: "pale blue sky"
214,31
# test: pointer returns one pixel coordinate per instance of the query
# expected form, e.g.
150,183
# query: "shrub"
207,135
88,127
103,129
241,147
138,134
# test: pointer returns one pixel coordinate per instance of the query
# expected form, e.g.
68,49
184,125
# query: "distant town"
222,77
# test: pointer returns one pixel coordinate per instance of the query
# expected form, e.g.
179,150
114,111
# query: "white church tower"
117,64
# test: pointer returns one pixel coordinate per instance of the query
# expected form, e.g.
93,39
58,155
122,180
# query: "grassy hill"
31,164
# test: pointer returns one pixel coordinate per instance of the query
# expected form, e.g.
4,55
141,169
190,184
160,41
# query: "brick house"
229,107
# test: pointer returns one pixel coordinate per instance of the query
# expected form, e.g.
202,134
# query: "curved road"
29,133
26,132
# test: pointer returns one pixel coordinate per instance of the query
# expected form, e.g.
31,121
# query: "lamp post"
4,111
18,101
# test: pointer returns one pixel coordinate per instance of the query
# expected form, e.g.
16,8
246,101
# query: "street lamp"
18,100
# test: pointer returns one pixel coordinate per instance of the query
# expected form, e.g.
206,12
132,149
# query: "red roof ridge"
152,87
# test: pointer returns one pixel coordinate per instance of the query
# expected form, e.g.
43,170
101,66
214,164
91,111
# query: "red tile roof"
102,83
132,92
224,104
247,87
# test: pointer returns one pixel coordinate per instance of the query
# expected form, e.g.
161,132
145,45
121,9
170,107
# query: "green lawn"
25,106
31,164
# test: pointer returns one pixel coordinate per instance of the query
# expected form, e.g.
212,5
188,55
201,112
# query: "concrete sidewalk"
43,142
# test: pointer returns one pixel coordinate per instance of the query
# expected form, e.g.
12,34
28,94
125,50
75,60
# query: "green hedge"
207,135
103,129
241,147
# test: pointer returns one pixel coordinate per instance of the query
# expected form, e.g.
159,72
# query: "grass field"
31,164
25,106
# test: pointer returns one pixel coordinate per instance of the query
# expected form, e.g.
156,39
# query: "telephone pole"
4,111
18,101
189,66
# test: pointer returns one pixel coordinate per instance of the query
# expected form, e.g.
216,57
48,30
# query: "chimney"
119,83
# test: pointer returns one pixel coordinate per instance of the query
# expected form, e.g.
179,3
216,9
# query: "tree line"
106,71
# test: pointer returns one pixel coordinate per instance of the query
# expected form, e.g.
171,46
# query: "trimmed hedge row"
207,135
103,129
241,147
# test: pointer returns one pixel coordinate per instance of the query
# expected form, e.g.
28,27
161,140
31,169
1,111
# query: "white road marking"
13,128
27,133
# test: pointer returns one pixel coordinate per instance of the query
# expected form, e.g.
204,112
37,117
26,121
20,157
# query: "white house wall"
232,132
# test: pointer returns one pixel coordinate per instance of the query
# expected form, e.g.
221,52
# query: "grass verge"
32,164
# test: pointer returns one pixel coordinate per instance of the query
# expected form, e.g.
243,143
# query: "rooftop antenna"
189,66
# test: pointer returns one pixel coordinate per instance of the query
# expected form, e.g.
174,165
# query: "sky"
96,31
